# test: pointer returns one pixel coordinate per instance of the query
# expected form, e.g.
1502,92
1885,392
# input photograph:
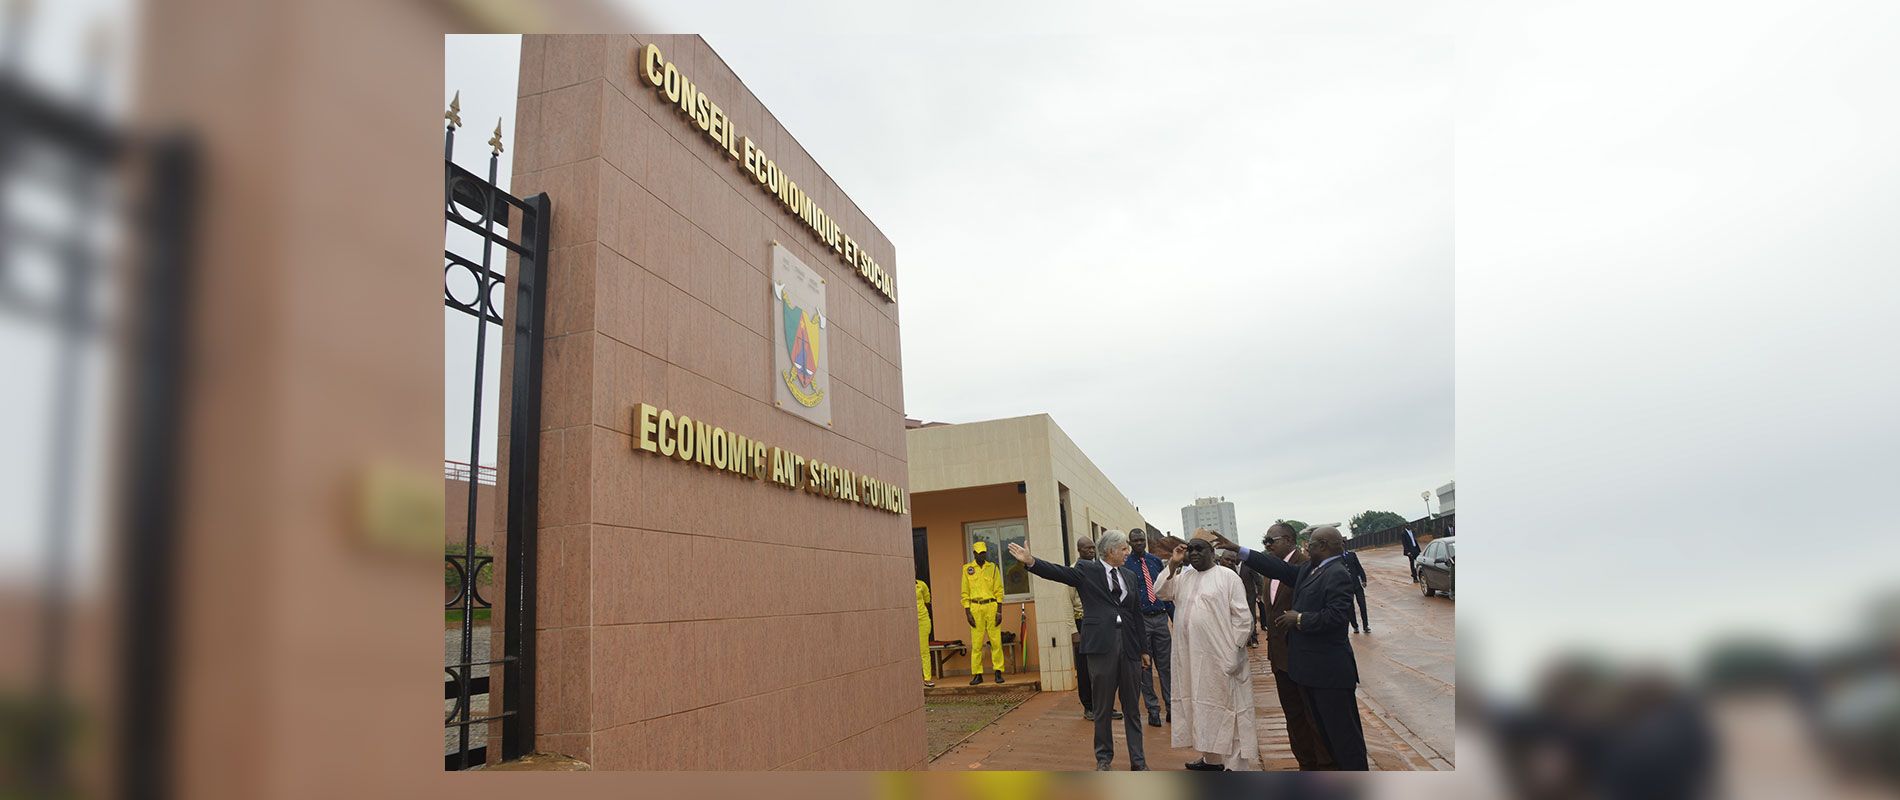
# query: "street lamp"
1427,497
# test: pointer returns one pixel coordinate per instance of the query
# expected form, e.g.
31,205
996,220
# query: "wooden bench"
941,653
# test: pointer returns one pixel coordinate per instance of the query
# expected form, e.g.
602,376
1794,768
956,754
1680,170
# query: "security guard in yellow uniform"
982,606
923,628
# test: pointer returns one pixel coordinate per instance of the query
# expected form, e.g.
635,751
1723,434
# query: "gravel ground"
452,654
948,720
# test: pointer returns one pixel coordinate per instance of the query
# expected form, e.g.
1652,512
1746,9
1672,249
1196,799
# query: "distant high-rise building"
1447,503
1212,513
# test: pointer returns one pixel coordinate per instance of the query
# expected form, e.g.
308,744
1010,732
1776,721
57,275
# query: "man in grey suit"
1111,636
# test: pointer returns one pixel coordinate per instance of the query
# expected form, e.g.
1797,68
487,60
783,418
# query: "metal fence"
1433,527
463,471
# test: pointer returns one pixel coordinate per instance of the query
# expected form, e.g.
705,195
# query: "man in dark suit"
1410,543
1084,693
1308,748
1359,581
1111,636
1319,655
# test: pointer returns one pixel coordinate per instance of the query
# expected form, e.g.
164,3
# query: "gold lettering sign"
686,98
677,436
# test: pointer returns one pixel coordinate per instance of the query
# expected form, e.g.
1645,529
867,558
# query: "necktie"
1115,582
1146,583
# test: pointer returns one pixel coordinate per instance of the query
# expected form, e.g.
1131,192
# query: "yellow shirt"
923,600
982,583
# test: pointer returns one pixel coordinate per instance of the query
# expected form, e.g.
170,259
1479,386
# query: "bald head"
1326,543
1085,548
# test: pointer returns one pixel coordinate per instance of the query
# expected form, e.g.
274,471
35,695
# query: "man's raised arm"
1261,562
1044,569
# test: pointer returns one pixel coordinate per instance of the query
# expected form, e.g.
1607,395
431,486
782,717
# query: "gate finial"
454,116
495,141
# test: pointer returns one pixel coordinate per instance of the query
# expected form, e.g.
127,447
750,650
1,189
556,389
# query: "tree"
1374,521
1299,539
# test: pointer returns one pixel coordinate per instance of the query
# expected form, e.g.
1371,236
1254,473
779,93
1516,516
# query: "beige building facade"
1017,479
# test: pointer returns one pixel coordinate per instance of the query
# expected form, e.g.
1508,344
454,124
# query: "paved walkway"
1408,666
1048,733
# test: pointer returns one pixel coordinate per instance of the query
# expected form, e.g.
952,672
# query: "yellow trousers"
923,643
985,630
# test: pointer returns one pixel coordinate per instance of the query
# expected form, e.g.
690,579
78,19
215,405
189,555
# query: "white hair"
1111,539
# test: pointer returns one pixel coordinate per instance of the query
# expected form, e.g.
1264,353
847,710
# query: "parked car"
1438,567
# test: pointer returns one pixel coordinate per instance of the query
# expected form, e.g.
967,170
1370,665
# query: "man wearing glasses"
1308,748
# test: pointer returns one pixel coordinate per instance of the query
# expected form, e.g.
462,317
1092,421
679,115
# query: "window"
1062,515
920,552
998,534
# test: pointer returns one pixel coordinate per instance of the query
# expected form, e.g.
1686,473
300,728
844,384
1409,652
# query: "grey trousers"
1155,627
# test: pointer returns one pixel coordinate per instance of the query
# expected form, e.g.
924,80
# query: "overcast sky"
1221,261
1216,245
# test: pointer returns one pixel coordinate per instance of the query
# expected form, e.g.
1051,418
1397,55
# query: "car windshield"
1451,550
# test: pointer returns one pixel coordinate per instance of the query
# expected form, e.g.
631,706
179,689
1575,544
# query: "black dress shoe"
1139,768
1101,767
1118,715
1154,720
1088,715
976,679
1199,765
999,676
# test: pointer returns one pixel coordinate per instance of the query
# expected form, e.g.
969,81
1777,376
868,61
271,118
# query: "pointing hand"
1021,553
1223,543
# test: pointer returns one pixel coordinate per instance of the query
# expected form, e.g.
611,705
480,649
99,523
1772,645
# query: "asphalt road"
1408,664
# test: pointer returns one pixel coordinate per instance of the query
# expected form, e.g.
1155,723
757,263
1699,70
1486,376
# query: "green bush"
484,578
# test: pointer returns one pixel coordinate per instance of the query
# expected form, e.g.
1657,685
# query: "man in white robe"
1212,686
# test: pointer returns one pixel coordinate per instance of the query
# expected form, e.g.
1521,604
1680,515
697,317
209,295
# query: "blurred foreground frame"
114,276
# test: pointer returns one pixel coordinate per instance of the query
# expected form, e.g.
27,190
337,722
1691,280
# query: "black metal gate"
102,280
497,219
